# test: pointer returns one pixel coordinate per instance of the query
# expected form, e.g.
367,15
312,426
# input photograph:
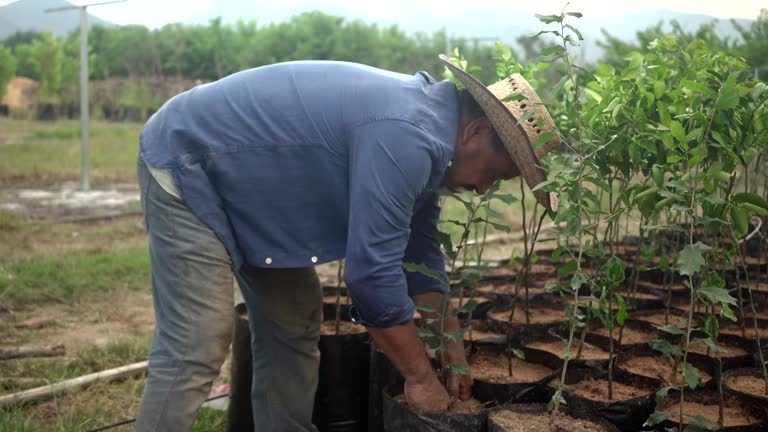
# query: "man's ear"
478,126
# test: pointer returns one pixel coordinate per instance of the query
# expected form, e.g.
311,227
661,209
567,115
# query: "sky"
156,13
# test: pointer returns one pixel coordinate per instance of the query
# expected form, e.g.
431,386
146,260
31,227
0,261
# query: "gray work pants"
192,289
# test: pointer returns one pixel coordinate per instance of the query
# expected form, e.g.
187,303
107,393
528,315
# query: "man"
270,171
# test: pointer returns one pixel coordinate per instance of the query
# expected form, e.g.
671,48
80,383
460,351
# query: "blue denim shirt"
302,163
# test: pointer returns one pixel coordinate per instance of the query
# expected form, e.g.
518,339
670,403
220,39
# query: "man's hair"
473,108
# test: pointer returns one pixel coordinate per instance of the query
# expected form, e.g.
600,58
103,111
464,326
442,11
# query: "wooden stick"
52,390
41,351
36,323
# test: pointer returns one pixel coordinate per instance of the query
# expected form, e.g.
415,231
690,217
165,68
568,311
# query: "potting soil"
597,390
747,384
556,347
538,313
659,368
494,368
328,328
629,336
511,421
734,414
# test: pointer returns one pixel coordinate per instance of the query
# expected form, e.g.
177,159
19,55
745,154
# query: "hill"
30,15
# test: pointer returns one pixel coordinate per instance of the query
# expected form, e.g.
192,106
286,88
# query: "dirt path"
96,321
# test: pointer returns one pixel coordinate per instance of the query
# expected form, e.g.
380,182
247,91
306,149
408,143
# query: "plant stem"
720,419
754,321
526,262
610,347
338,294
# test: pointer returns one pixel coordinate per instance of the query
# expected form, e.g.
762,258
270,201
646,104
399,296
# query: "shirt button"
313,259
268,260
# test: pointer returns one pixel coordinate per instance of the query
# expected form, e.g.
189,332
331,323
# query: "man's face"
477,164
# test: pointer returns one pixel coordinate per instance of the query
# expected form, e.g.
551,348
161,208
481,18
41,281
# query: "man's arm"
424,248
390,163
405,349
458,385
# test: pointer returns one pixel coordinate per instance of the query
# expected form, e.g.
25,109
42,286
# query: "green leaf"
574,30
671,329
518,353
661,395
467,307
728,313
678,132
500,227
691,376
458,368
517,96
549,19
697,87
729,94
567,269
553,50
575,14
753,208
656,418
665,347
691,260
426,271
493,213
506,198
542,139
526,115
703,423
425,308
710,344
557,399
714,295
751,198
541,185
591,94
427,332
622,314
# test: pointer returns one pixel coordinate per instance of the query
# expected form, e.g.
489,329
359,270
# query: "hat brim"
507,126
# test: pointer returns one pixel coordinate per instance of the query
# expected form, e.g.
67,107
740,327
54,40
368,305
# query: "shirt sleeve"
424,247
390,165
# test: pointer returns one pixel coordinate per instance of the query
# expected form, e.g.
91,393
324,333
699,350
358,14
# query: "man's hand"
459,385
404,348
428,395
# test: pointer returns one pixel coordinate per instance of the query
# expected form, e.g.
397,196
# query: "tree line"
211,51
208,52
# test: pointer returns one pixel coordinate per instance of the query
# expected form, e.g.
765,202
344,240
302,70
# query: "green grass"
71,277
41,151
89,359
98,405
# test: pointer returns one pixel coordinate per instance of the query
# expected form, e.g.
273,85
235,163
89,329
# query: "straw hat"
518,139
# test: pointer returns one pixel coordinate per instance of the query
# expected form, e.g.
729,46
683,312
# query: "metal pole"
84,179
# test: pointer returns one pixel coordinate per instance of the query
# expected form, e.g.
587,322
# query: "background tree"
7,68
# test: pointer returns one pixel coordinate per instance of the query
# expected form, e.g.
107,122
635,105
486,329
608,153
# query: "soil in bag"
491,366
739,414
747,382
632,402
535,418
465,416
